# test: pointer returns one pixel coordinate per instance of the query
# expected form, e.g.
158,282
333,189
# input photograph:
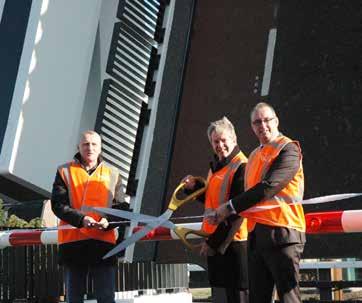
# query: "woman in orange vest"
84,237
274,185
226,246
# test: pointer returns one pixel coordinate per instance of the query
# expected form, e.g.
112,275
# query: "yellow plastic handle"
183,233
176,203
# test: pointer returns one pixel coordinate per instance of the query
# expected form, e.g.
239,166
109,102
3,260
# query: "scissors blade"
128,241
127,215
159,221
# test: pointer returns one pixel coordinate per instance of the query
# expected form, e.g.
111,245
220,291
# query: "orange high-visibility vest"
218,192
97,189
289,212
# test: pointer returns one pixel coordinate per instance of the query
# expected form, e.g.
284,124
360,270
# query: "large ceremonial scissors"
153,222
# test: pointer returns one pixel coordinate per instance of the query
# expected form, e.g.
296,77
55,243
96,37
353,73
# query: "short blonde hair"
219,126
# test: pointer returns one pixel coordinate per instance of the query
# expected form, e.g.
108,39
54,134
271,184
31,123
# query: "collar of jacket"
217,164
77,159
279,134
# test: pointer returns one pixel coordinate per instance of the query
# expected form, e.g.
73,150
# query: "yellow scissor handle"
175,202
183,233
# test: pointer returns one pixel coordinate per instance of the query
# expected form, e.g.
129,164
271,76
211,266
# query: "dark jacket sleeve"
61,204
222,230
281,172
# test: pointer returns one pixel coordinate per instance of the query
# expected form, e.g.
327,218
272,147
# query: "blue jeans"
103,278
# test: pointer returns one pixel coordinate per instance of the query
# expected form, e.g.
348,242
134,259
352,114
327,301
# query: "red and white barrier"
25,237
19,237
348,221
163,233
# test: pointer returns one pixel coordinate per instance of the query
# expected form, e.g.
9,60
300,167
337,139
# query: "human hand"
88,222
103,223
206,250
218,215
189,181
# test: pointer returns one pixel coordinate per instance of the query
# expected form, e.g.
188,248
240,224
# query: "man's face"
265,124
222,144
90,148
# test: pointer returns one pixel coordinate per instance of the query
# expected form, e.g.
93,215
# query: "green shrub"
2,213
15,222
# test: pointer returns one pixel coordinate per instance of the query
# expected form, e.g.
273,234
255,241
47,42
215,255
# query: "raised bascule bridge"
149,76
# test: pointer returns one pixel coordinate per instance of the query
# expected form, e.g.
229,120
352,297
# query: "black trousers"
231,269
274,266
228,274
229,295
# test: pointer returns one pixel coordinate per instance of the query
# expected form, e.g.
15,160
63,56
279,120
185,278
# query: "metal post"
325,292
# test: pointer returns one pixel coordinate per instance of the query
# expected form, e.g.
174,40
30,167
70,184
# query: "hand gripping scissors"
154,222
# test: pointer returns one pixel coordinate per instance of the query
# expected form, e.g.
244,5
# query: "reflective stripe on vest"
96,189
218,192
289,212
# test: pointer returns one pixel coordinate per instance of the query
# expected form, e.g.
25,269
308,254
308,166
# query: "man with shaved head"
83,236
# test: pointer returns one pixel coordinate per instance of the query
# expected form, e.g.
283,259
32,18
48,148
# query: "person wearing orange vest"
274,185
84,237
226,247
